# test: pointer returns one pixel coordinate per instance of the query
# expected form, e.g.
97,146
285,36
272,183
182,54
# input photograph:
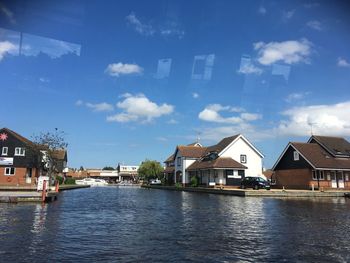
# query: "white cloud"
44,80
139,108
262,10
142,28
314,24
6,47
162,139
341,62
195,95
79,103
289,52
249,69
288,14
172,32
296,96
117,69
103,106
172,121
330,119
211,114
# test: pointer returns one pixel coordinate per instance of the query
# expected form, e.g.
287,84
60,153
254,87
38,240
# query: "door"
29,176
340,178
333,180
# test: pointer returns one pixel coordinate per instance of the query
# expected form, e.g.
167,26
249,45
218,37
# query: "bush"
70,181
59,179
178,185
194,181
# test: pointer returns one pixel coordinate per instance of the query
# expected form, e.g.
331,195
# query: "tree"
49,144
108,168
150,170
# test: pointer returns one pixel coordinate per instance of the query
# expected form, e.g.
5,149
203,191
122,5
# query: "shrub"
59,179
194,181
178,185
70,181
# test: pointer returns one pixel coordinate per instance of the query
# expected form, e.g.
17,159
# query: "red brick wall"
19,178
294,178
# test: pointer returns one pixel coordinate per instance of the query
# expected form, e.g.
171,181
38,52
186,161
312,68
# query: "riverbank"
64,187
254,193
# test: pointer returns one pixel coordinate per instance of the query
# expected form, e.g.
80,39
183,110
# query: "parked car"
255,183
155,182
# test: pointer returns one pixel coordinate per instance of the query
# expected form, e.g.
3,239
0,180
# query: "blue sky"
130,80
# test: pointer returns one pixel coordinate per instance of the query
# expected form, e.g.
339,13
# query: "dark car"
255,183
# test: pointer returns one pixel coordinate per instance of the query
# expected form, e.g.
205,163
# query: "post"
57,187
43,193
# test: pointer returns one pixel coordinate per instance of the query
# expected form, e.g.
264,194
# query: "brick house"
323,163
19,159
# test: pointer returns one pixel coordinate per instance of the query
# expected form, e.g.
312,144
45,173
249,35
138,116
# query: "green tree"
108,168
150,170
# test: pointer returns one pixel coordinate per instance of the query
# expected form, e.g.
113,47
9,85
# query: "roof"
319,158
170,158
222,144
195,144
191,151
60,154
17,136
335,145
221,162
170,169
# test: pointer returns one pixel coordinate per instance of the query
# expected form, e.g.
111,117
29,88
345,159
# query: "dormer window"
20,151
295,156
4,150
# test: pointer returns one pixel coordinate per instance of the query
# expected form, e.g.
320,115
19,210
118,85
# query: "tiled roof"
221,162
59,154
191,151
170,158
319,158
222,144
170,169
335,145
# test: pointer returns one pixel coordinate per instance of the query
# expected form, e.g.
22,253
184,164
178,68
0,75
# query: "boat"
127,183
91,182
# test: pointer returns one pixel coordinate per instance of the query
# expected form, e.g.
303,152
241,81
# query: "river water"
128,224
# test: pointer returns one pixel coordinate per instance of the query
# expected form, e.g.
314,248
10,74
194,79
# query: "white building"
225,163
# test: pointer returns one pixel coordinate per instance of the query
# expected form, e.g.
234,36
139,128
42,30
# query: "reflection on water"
114,224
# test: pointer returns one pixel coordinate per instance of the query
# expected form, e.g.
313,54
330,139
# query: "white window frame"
321,176
243,158
3,152
7,171
295,156
20,151
314,175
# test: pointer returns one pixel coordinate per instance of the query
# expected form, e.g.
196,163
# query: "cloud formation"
117,69
289,52
332,119
341,62
296,96
211,113
314,24
6,47
139,108
142,28
98,107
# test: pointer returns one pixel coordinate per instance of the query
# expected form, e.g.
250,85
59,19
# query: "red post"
43,194
57,187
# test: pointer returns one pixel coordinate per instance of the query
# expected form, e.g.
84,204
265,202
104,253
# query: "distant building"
225,163
128,172
322,162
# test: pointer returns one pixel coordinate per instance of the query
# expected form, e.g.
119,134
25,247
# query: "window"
321,175
328,176
317,175
314,175
4,150
178,161
243,158
296,156
19,151
346,177
10,170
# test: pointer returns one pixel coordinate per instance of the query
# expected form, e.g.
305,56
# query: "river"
129,224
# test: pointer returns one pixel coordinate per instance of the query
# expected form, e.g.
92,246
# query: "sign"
6,160
41,181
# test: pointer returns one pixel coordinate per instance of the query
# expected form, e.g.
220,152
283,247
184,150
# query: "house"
19,160
323,163
60,160
224,163
128,172
169,170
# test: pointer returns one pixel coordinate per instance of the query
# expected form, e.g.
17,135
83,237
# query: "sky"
129,80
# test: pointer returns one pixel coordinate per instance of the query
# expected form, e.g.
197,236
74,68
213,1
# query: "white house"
225,163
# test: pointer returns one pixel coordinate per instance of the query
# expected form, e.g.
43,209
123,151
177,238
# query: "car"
255,182
155,182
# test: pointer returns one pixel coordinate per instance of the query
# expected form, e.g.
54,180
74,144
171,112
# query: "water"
124,224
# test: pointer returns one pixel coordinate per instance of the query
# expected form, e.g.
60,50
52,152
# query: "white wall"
186,164
221,176
254,160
